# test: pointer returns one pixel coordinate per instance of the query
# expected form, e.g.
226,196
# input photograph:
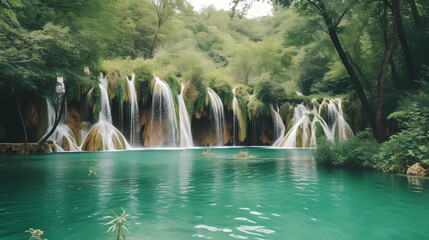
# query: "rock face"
94,141
417,169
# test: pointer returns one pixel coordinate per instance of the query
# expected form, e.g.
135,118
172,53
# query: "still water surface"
176,194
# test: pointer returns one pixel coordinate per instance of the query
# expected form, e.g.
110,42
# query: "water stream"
217,114
185,126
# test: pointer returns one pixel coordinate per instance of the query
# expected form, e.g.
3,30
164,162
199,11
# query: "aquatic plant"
118,223
92,170
36,234
207,151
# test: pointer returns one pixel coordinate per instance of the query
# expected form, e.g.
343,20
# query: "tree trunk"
416,16
347,65
380,136
152,48
57,121
396,79
22,120
405,48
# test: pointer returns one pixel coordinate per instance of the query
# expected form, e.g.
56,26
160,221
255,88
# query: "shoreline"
21,149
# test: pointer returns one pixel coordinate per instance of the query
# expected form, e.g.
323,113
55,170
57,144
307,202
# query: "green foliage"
358,152
411,144
95,103
268,91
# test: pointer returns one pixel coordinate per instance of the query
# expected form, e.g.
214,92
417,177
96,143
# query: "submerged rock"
417,169
244,155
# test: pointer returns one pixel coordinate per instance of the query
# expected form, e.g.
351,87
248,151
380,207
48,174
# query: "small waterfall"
63,136
337,124
111,138
308,124
185,126
163,124
217,113
279,127
105,112
134,113
238,125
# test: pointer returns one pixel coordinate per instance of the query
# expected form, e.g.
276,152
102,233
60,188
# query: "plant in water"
92,170
36,234
118,223
207,152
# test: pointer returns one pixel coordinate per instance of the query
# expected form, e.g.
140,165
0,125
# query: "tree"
387,57
163,12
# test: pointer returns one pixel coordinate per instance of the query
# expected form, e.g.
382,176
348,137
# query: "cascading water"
235,121
163,124
217,113
185,126
239,128
134,113
111,138
309,124
279,127
63,136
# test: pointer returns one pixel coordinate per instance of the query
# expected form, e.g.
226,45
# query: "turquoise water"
172,194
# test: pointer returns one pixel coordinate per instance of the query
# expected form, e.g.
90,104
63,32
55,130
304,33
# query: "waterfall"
163,124
134,113
308,124
217,113
238,125
185,126
111,138
105,112
279,127
62,136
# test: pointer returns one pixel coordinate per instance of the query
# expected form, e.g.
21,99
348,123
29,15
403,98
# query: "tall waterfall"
308,124
217,113
163,124
185,126
279,127
134,113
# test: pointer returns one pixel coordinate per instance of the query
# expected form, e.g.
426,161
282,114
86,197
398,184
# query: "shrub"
358,152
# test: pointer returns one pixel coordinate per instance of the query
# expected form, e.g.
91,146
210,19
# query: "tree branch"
341,17
315,5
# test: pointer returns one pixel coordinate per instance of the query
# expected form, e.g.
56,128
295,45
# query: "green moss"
143,85
174,85
120,87
95,100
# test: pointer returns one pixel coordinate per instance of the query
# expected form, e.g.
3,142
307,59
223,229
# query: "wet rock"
94,141
417,169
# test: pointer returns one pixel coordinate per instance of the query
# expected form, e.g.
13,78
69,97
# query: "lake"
177,194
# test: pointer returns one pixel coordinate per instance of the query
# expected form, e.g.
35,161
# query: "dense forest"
373,54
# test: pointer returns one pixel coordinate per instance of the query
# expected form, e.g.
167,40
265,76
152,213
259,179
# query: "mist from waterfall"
185,126
308,122
134,111
279,127
163,124
217,113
